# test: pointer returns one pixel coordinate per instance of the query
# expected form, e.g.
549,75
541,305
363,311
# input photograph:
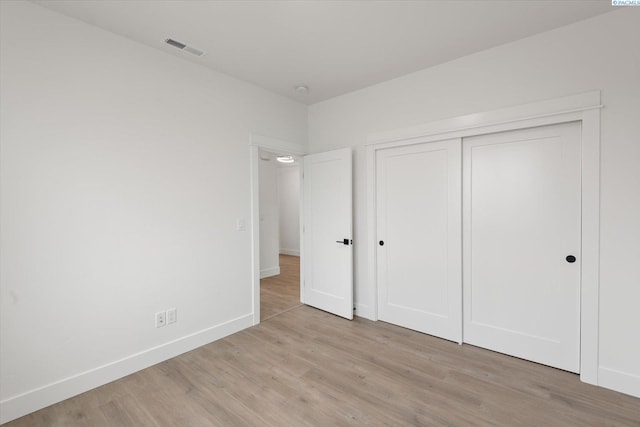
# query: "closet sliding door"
522,231
419,270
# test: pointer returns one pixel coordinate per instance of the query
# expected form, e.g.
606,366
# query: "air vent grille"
184,47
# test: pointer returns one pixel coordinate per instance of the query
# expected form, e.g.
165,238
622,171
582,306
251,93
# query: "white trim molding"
268,272
583,108
276,145
291,252
493,121
33,400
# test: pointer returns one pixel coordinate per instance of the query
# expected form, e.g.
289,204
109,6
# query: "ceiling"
333,47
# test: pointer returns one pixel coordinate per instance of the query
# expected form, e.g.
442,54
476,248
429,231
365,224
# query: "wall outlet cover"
161,319
172,315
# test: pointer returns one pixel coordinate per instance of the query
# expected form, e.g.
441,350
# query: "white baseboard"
363,310
33,400
292,252
268,272
623,382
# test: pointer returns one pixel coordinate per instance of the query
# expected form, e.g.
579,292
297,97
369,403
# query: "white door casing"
327,219
521,219
418,194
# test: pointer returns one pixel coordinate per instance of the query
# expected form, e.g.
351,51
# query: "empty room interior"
289,213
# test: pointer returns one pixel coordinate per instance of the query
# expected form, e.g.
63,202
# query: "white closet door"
521,226
418,199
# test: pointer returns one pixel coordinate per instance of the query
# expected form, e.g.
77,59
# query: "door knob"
570,259
381,242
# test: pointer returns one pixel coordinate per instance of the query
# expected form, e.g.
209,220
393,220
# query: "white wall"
269,223
115,203
600,53
124,171
289,206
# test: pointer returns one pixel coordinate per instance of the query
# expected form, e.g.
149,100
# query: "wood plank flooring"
305,367
281,293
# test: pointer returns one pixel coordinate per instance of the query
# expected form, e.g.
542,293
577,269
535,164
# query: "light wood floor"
306,367
281,293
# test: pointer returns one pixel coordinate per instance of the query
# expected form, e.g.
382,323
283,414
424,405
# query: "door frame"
259,142
583,108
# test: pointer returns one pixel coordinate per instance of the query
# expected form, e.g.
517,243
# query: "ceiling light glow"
285,159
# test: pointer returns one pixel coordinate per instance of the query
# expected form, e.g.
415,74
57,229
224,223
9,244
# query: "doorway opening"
279,235
325,216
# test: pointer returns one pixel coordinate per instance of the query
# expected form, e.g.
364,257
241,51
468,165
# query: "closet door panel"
418,237
521,228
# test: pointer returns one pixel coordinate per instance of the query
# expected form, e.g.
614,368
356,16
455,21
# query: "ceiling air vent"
184,47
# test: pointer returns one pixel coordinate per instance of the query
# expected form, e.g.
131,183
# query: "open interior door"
327,232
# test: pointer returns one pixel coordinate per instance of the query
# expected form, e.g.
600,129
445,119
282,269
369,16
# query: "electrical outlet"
161,319
172,315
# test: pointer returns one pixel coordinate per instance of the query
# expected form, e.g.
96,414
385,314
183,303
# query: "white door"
418,198
521,228
327,245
